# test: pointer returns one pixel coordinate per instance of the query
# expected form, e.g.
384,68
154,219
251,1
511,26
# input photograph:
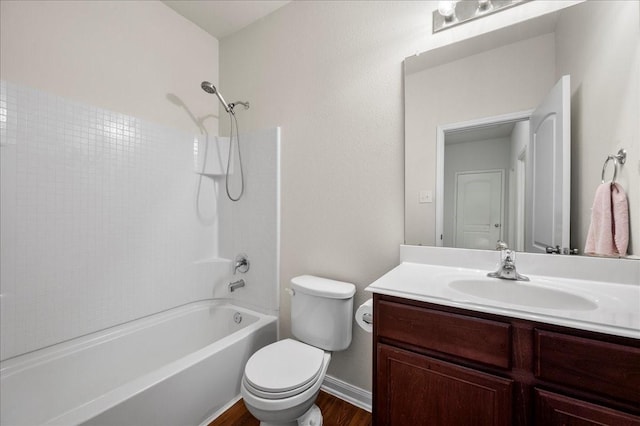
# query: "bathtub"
178,367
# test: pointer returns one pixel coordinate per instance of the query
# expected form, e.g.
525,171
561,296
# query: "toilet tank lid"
323,287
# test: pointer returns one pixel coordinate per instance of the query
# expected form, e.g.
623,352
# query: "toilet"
282,380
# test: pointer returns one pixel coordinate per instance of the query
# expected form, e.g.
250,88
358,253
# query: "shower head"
210,88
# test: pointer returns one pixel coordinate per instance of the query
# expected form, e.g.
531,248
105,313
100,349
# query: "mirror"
508,73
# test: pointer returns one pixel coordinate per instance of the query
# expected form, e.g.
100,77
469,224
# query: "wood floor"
335,412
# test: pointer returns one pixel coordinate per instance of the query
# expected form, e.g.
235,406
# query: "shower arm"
232,105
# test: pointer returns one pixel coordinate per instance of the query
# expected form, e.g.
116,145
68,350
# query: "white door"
549,171
521,171
479,206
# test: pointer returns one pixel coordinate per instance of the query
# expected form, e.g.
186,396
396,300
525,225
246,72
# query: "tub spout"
235,285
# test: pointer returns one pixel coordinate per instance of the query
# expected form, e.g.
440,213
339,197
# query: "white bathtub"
177,367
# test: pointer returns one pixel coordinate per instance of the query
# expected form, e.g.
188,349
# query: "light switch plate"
425,197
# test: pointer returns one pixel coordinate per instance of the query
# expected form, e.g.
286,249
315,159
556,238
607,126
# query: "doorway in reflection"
480,185
506,178
484,171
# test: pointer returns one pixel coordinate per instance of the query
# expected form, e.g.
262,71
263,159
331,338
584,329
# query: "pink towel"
609,230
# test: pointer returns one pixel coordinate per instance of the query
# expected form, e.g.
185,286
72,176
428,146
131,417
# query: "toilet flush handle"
291,291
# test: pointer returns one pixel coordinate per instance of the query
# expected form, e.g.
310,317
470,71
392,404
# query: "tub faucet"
235,285
507,268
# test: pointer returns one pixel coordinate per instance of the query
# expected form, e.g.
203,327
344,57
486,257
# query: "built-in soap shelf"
213,269
214,273
211,175
214,261
210,156
213,266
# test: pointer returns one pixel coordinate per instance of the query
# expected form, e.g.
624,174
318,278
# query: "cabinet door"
413,389
553,409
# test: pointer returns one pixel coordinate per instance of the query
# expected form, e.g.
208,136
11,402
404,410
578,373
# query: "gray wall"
605,102
330,73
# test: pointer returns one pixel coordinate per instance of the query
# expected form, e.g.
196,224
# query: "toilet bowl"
282,380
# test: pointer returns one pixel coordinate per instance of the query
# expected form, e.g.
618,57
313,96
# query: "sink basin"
523,294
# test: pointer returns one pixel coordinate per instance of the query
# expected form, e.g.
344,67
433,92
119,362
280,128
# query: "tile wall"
101,219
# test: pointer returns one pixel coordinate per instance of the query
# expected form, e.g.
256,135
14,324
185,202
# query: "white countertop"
616,308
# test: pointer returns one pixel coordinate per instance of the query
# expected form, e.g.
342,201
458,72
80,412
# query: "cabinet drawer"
475,339
553,409
592,365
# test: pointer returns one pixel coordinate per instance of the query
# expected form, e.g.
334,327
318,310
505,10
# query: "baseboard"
343,390
221,410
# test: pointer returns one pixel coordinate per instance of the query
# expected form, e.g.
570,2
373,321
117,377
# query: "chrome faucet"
507,268
236,285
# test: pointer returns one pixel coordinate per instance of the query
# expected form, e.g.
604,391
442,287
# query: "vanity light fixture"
484,6
447,9
455,12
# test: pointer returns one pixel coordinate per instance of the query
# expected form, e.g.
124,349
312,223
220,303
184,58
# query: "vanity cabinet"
437,365
555,409
417,389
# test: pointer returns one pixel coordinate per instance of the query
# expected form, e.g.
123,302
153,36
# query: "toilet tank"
322,312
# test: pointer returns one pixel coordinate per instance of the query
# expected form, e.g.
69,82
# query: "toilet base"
312,417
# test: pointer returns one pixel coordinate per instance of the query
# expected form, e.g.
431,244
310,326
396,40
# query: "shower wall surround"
101,220
254,223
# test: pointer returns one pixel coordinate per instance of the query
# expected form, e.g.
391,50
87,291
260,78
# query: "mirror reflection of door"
518,226
479,209
478,198
533,149
547,192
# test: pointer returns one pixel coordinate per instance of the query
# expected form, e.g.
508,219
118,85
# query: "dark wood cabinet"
554,409
437,365
467,337
588,364
418,389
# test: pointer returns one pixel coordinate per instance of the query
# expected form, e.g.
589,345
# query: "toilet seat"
283,369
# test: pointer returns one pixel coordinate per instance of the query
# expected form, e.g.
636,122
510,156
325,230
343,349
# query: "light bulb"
484,6
447,9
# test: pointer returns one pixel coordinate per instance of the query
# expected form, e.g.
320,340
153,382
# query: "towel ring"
615,168
618,159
